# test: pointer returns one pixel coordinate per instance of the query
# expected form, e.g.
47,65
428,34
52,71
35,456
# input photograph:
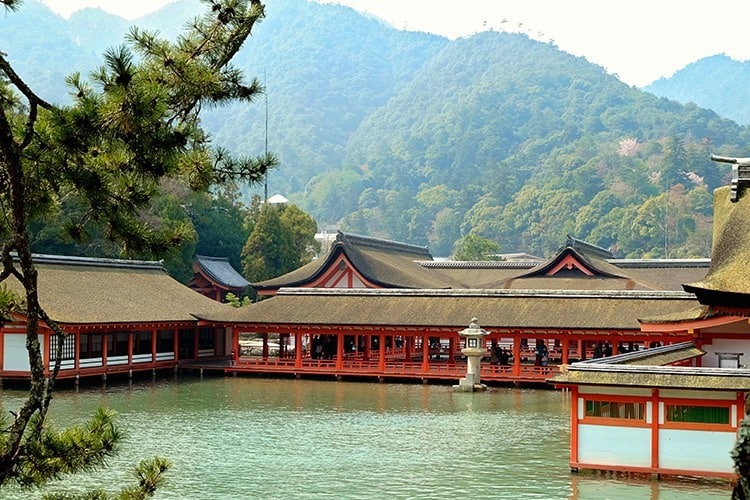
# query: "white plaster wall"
711,359
696,450
15,355
611,445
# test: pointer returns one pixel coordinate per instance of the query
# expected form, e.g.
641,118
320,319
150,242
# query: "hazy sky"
640,40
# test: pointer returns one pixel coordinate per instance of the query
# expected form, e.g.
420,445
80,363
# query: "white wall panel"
610,445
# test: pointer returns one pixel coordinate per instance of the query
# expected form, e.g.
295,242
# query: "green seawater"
237,437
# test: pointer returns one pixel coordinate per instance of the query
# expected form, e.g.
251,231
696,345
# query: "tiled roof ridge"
589,248
370,241
210,257
475,292
479,264
659,263
72,260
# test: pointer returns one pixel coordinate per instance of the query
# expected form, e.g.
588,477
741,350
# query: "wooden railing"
356,366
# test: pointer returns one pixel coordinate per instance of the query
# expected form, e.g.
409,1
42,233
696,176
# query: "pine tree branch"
20,84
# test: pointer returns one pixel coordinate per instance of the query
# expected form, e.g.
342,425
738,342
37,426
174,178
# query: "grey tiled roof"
220,271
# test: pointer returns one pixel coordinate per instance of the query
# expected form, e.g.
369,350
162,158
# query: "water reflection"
267,438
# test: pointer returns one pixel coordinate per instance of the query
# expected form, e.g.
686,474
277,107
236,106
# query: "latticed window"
68,348
697,414
616,409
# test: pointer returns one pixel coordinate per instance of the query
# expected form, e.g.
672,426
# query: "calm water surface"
234,438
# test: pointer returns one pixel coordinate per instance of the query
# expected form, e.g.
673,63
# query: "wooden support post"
154,335
516,356
235,346
105,349
425,354
574,424
46,352
565,350
176,345
655,429
339,351
298,349
75,337
381,353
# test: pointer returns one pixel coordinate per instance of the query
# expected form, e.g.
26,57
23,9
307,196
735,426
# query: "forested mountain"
418,138
718,82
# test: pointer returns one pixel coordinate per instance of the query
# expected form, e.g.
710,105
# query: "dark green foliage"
282,239
741,457
48,454
91,171
473,247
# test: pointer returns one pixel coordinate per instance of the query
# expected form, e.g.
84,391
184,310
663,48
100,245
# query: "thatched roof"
532,309
78,290
727,282
623,371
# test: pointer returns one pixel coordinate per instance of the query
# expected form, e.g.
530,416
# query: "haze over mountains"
421,139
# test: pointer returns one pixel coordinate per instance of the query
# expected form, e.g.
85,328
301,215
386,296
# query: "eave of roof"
644,369
221,272
86,291
533,309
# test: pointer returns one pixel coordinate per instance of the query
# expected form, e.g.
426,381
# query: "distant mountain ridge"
717,82
421,139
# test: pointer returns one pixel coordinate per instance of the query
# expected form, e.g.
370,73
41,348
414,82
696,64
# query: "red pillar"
655,429
75,337
105,346
565,349
47,336
235,346
130,347
339,351
298,349
574,425
516,356
381,353
425,354
154,334
368,346
265,346
176,343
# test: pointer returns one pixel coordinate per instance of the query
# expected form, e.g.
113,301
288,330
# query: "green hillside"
418,138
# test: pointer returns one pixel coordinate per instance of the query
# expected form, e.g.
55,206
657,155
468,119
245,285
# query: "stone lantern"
474,351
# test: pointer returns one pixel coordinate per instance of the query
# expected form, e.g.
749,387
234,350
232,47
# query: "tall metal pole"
266,138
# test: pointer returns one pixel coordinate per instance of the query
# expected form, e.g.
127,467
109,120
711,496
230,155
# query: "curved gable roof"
385,263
